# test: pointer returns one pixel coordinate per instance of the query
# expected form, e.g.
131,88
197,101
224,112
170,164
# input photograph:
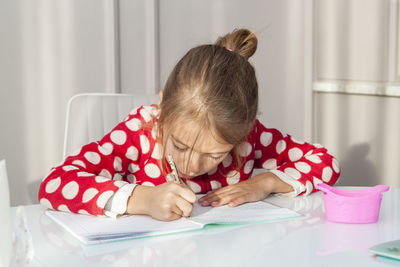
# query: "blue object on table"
389,249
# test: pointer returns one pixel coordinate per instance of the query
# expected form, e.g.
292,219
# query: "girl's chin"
184,176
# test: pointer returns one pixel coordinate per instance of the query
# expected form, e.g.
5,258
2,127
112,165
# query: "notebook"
92,230
388,249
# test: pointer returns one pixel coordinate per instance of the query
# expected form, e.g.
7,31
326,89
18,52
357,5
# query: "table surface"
308,241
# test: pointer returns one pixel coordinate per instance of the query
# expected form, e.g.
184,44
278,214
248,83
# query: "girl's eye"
215,158
179,148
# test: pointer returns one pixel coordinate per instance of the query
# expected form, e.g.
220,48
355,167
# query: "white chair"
5,222
91,116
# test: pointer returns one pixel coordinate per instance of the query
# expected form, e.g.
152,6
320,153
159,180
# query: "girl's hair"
215,86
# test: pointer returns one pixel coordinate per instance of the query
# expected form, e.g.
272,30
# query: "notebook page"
91,229
246,213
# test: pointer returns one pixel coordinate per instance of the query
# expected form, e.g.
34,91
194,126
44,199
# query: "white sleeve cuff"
118,203
297,186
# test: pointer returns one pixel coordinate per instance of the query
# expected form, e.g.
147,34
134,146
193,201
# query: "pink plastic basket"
352,206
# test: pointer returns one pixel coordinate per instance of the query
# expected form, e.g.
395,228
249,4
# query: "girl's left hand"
251,190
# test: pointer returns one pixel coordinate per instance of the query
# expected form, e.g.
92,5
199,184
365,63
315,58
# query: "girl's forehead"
207,141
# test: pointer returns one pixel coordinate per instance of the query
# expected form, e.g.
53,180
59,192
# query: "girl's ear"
161,96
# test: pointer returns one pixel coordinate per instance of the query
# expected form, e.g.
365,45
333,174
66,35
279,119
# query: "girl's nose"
194,164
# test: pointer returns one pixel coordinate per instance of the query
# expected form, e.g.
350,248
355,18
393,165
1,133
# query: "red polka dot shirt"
99,178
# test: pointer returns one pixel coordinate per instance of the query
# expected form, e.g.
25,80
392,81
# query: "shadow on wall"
357,169
33,189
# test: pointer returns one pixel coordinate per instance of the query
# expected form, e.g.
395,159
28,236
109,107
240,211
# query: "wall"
54,49
356,84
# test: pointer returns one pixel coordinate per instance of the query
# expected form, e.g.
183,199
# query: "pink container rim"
360,193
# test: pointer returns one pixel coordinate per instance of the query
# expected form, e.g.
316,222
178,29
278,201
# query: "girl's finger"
239,200
184,206
214,195
224,199
187,194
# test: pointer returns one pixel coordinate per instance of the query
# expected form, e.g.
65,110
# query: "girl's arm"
291,167
297,163
86,181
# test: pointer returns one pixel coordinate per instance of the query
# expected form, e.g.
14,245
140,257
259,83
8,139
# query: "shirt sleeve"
86,181
300,164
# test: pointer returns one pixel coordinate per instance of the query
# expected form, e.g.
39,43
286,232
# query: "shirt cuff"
297,186
118,203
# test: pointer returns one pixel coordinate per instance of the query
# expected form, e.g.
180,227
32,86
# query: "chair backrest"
5,222
91,116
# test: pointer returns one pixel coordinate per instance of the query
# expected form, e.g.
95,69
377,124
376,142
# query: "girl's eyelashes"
215,158
179,148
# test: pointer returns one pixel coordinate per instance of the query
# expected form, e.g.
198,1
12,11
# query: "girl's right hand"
166,202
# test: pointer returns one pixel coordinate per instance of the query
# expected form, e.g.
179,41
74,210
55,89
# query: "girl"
206,120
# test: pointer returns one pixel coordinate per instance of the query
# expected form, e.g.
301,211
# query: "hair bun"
241,41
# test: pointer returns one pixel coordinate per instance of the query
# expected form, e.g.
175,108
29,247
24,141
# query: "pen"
176,178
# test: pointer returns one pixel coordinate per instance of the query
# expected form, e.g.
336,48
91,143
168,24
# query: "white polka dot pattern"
79,163
266,138
215,185
117,177
280,146
233,177
131,178
295,154
70,190
146,115
132,153
152,170
309,188
46,203
69,168
117,164
245,149
269,164
133,124
147,183
63,207
89,194
314,159
120,183
316,181
258,154
248,167
52,185
83,212
118,137
227,161
100,179
156,151
145,144
84,174
105,173
326,174
133,168
92,157
335,165
303,167
195,187
103,198
106,149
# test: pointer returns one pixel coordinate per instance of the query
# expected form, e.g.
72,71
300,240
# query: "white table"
310,241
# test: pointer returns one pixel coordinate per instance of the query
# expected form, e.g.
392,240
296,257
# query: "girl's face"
207,153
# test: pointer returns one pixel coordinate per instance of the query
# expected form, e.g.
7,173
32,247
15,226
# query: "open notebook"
91,230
